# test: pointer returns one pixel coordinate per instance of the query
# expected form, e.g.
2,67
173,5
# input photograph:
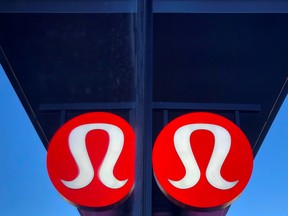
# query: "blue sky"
25,187
267,191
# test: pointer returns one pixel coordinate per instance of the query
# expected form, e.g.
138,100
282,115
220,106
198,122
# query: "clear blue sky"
25,188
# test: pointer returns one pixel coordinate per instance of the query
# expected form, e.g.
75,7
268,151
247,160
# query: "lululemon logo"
202,160
77,146
91,159
221,149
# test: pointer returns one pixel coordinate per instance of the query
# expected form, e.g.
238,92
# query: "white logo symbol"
221,149
77,146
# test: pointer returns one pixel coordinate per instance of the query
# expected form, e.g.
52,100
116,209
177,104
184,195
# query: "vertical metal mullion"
149,107
237,118
139,114
143,110
62,117
165,117
148,142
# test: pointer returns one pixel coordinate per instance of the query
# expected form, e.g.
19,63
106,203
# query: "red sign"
202,160
91,160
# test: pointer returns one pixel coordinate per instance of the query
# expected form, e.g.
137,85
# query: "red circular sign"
91,160
202,160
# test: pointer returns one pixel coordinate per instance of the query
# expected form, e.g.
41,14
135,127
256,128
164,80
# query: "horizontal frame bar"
220,6
86,106
207,106
156,105
68,6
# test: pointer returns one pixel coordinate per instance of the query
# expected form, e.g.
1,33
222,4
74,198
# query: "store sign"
91,160
202,160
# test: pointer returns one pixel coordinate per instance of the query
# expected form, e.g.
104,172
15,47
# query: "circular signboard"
91,159
202,160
